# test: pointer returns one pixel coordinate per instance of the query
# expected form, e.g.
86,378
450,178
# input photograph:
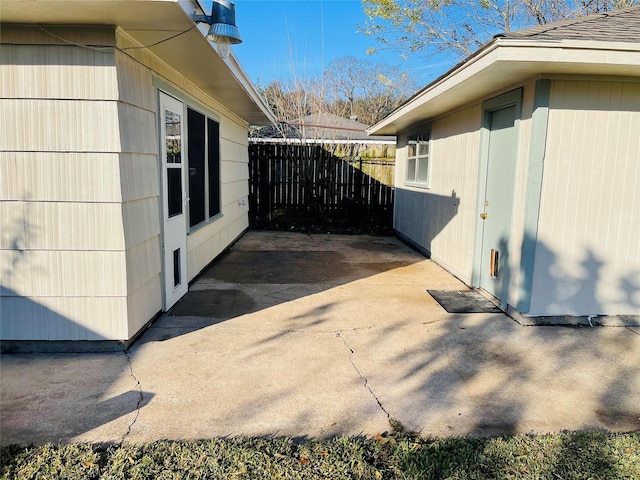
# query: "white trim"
243,79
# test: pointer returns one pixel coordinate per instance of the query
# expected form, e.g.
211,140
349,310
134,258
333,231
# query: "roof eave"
147,22
503,63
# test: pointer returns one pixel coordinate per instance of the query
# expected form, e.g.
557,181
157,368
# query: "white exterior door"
172,144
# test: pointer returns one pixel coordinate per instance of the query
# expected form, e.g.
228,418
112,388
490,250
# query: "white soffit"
503,64
150,21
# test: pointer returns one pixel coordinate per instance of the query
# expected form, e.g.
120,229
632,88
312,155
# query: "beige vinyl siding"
96,226
455,170
36,65
63,262
142,303
63,273
63,318
57,72
588,255
45,125
135,173
434,218
139,177
60,177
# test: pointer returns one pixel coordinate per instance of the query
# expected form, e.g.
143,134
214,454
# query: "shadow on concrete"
501,377
244,281
59,397
498,366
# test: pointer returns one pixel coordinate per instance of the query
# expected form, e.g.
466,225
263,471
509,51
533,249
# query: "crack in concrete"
364,379
632,331
140,399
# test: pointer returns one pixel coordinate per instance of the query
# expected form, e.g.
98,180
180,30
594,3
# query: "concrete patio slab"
323,335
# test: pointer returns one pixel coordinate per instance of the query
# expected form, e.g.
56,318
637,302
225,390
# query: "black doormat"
459,301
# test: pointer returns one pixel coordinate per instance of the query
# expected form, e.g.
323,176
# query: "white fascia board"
241,76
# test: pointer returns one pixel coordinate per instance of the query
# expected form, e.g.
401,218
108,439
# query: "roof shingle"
613,26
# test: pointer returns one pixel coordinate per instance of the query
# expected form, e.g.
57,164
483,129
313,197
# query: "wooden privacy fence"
309,181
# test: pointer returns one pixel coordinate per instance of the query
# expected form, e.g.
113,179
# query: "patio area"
300,335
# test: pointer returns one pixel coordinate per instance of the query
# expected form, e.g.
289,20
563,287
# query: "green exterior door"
498,202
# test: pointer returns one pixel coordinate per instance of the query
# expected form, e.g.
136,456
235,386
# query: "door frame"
171,296
508,99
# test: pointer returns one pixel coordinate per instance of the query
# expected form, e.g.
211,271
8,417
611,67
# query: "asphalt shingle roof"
613,26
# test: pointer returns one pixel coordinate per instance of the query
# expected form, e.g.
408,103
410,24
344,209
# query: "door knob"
483,216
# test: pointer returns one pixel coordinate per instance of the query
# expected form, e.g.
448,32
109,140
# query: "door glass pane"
176,267
173,136
174,191
213,133
196,142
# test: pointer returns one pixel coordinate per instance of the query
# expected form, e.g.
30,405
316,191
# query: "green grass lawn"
584,455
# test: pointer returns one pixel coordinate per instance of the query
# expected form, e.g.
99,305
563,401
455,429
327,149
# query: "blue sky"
286,37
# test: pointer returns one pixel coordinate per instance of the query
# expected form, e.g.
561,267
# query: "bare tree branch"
427,28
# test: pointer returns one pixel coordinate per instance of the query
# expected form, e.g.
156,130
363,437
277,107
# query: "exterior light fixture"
223,30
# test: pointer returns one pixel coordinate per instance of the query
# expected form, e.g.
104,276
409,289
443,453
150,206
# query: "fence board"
308,179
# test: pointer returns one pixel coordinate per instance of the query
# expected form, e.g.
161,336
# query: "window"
418,159
204,167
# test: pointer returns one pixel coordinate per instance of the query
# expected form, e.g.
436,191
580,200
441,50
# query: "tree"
295,99
426,28
348,87
364,89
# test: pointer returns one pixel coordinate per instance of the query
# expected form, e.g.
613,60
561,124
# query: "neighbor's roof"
332,127
322,127
600,44
153,23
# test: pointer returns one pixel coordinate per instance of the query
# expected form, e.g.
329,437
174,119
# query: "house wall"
139,179
587,259
446,216
204,244
441,218
140,76
62,242
80,236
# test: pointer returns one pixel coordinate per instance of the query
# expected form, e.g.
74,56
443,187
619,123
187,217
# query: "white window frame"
418,166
